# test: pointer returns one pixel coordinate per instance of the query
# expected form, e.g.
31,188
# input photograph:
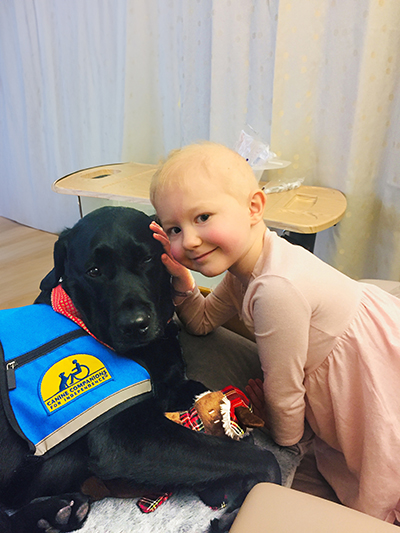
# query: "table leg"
80,206
306,240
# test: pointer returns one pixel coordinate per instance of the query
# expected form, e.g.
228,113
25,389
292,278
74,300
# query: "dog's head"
110,266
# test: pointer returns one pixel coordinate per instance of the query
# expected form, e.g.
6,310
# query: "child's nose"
191,239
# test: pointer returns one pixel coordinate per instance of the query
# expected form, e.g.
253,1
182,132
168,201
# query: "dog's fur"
109,264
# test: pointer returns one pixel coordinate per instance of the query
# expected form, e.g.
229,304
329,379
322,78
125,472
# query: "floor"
26,256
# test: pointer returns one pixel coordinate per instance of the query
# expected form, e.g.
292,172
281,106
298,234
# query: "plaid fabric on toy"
190,419
149,503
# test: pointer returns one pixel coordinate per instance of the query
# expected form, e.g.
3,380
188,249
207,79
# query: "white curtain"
90,82
196,70
336,116
61,101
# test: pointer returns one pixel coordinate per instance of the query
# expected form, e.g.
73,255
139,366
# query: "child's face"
208,228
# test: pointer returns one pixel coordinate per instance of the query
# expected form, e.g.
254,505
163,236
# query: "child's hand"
255,393
183,279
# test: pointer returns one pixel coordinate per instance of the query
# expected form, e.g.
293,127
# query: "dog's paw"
54,514
224,523
228,496
214,496
64,514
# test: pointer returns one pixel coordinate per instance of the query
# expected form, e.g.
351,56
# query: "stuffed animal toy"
224,413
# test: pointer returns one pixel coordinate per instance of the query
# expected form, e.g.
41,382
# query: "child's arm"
282,320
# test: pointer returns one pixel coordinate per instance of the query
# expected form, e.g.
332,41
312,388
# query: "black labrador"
109,265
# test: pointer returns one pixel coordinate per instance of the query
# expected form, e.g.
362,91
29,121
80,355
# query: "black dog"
109,264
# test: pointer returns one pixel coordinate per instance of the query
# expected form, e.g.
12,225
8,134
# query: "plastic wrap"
257,153
280,186
252,148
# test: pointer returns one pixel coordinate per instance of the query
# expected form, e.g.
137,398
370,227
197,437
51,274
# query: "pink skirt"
353,406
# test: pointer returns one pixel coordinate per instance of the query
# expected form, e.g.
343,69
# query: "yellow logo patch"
72,376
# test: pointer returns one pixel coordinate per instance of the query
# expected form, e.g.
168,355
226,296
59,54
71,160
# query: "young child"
329,346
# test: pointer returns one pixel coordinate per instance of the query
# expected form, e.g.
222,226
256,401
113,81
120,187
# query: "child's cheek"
217,235
176,251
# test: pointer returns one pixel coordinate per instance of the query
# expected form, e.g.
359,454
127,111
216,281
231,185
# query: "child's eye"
203,218
173,231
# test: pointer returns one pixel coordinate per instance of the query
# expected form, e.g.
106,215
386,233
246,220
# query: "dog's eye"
94,272
147,259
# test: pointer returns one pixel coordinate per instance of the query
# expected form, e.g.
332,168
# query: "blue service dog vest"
57,381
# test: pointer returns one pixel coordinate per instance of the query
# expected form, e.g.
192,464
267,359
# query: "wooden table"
301,212
120,181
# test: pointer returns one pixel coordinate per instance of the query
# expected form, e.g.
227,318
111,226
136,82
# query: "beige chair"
274,509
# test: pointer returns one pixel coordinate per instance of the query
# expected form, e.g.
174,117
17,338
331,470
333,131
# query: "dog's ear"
60,255
155,219
53,277
49,281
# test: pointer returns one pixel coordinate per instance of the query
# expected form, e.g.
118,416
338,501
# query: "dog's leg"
51,515
35,477
59,477
162,455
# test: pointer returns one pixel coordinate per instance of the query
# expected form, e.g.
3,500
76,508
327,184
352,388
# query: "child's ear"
257,205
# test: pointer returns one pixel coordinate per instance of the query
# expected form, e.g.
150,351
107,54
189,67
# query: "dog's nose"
134,323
